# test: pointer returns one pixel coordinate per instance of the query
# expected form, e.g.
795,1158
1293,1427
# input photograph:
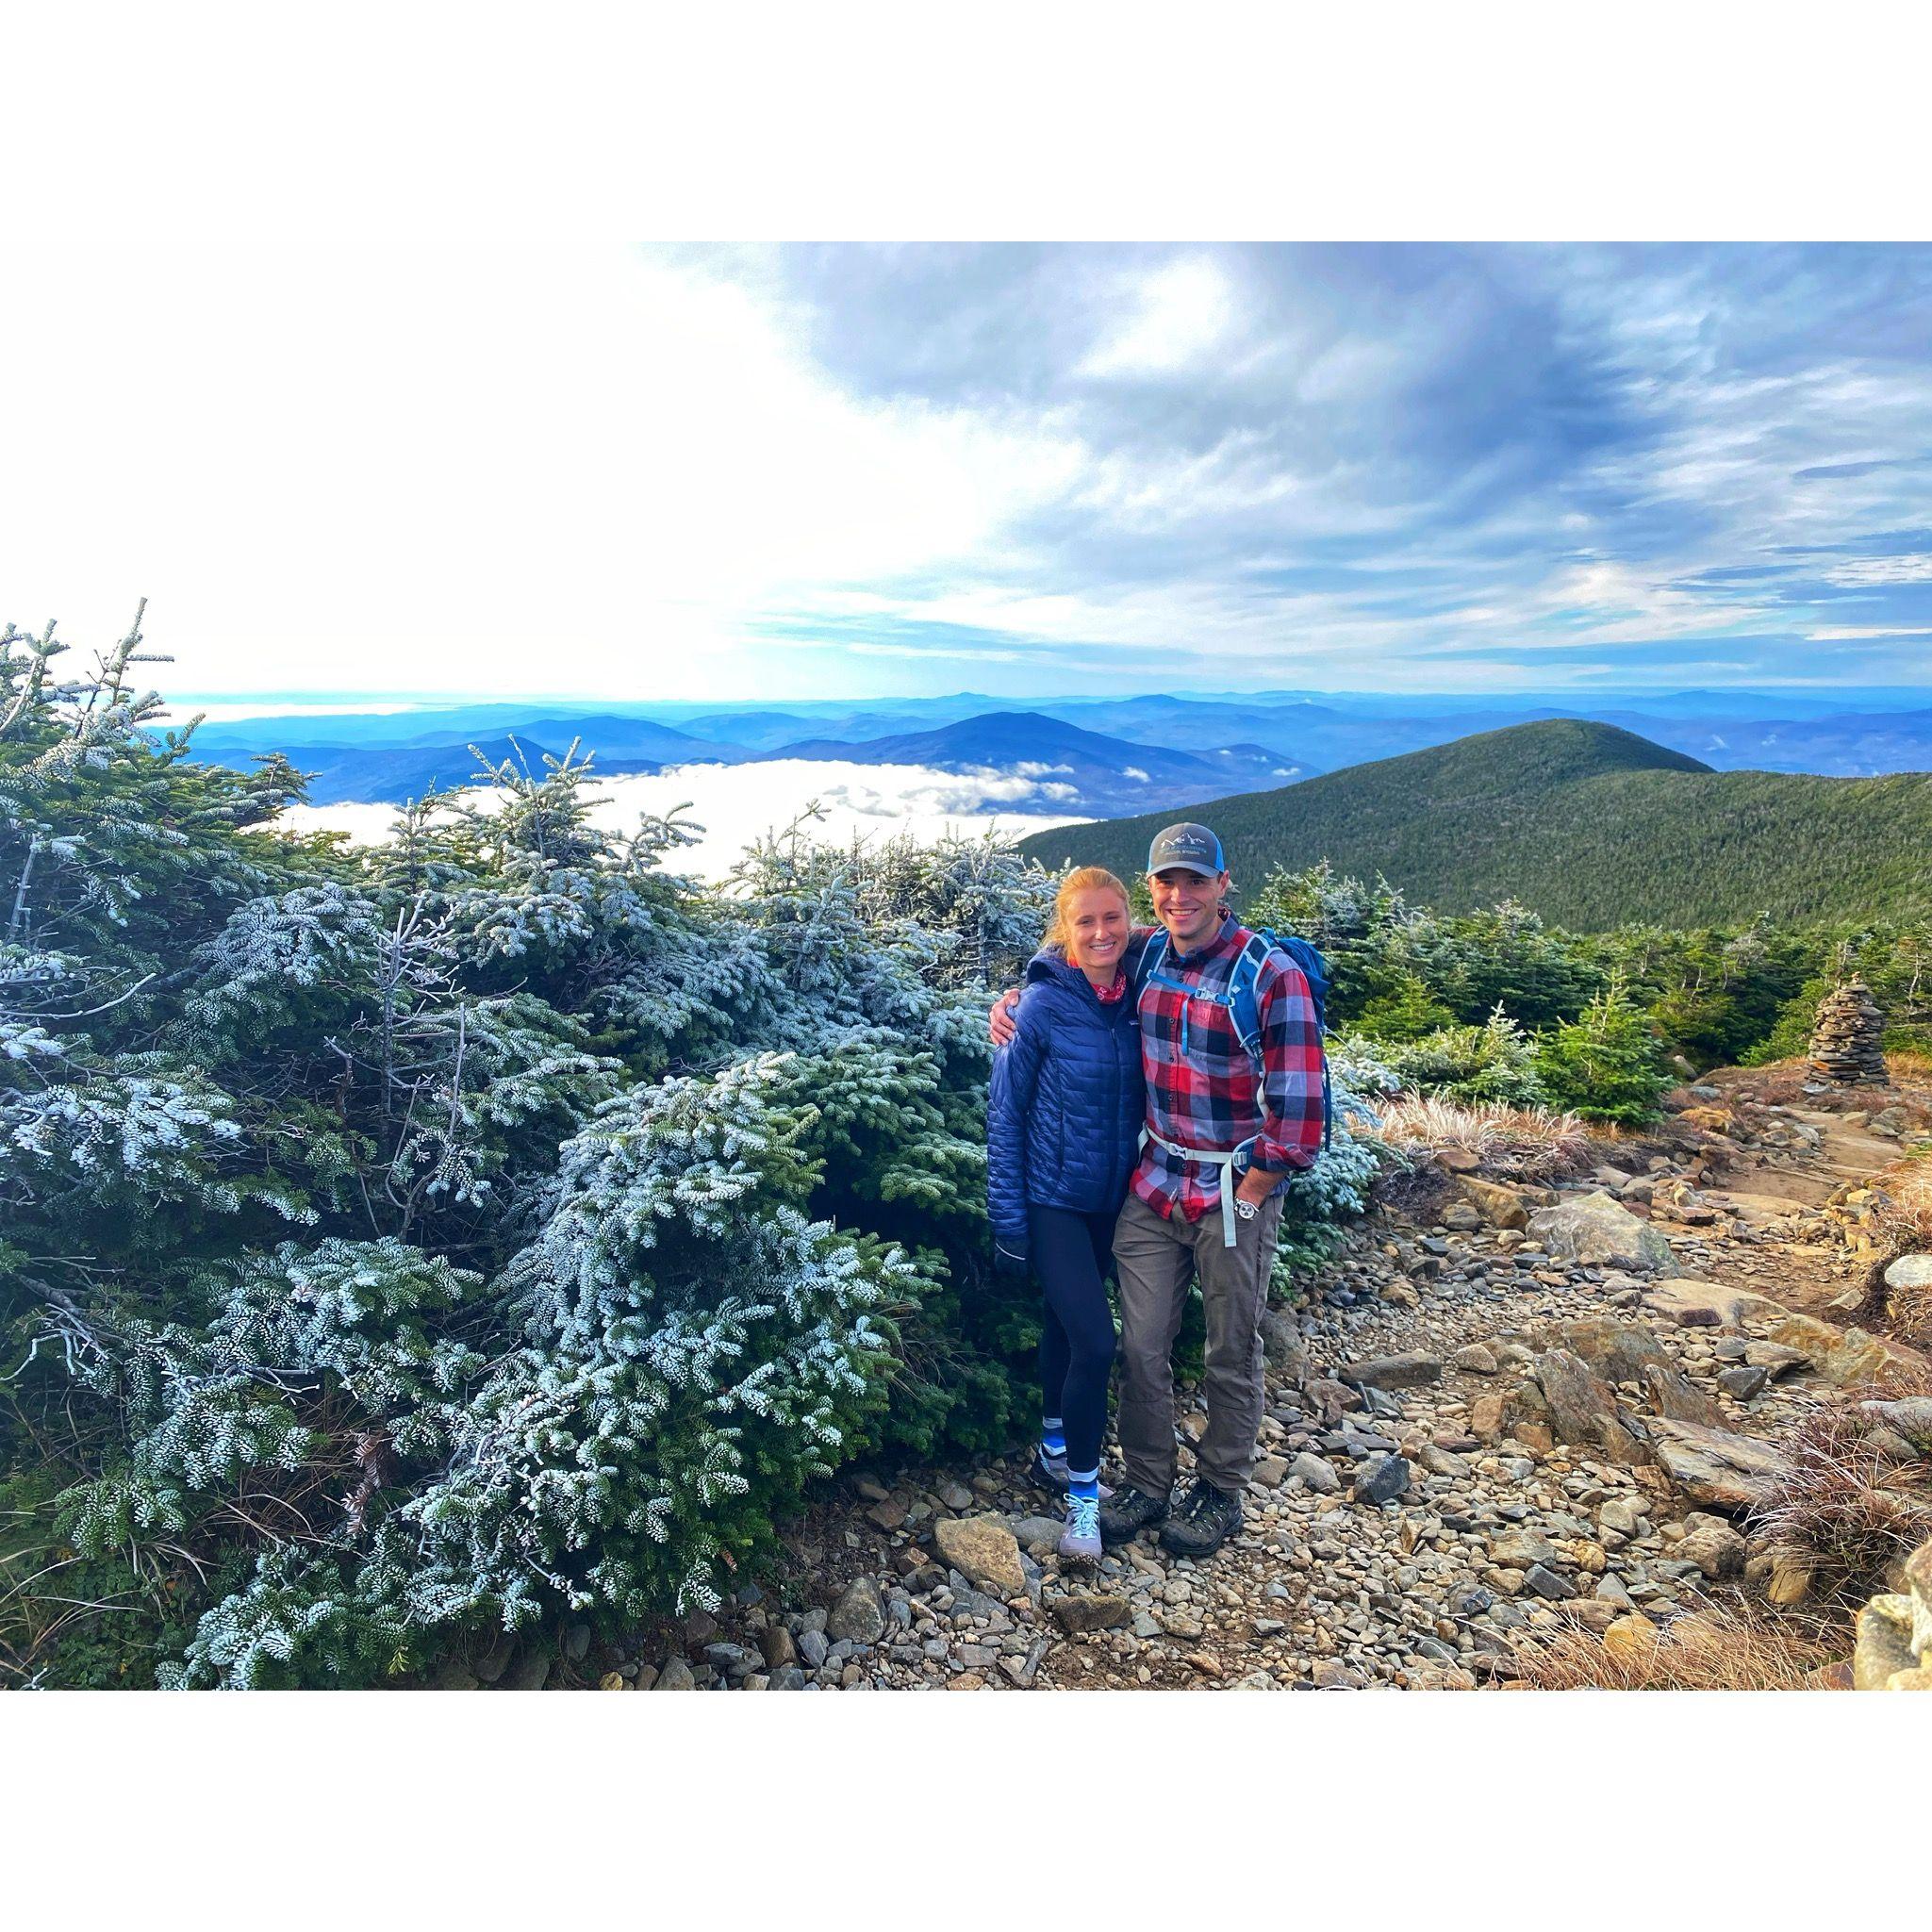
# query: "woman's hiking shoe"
1123,1517
1049,1474
1205,1520
1082,1536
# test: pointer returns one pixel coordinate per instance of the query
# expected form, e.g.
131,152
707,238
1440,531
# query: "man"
1206,1197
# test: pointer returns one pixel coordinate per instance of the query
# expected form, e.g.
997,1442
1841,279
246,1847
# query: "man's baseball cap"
1186,849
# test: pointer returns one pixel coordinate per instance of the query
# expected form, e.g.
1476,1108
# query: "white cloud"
1915,568
1183,310
738,803
1844,633
1134,771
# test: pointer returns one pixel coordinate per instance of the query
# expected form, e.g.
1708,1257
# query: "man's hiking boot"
1124,1516
1205,1520
1049,1474
1081,1537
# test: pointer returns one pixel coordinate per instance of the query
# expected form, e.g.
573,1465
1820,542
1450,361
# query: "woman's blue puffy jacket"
1063,1123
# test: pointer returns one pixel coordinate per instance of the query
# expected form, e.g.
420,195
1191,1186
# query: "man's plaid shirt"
1208,1099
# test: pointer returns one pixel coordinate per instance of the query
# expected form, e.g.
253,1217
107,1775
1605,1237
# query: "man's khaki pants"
1157,1258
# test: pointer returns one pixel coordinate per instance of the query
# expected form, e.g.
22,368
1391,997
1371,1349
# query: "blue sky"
1498,466
379,460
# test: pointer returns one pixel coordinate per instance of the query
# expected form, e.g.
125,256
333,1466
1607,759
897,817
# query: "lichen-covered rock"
1597,1232
1413,1370
1619,1351
1499,1206
1714,1467
1884,1647
1581,1407
1844,1357
984,1551
1691,1303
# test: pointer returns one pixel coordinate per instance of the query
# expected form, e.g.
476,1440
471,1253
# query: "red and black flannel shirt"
1208,1100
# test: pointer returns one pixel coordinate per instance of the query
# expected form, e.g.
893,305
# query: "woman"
1063,1133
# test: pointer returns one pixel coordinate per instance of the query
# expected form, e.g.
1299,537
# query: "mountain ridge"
1588,824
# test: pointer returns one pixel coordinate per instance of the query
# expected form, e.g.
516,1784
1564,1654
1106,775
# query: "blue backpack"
1243,1008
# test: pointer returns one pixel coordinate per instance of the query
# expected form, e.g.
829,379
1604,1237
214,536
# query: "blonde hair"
1082,879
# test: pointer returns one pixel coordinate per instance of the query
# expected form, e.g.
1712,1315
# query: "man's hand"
1000,1022
1258,1184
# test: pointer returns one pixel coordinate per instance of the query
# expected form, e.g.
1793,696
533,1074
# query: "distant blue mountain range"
1097,757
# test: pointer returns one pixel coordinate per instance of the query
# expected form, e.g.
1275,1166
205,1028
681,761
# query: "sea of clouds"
738,803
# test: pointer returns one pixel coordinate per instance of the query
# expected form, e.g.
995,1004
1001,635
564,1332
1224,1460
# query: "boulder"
1411,1371
1716,1548
1486,1414
1518,1549
984,1550
1842,1356
1547,1584
1581,1410
1774,1358
1671,1394
1714,1466
1597,1232
1618,1351
1910,1271
1909,1417
1332,1399
1038,1533
1884,1647
1317,1472
856,1617
1497,1206
1632,1638
1079,1615
1691,1303
1381,1480
1281,1344
1476,1357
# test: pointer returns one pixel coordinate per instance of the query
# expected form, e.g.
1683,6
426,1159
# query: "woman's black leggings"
1072,1254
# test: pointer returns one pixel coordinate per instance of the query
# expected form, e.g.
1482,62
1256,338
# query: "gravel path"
1447,1465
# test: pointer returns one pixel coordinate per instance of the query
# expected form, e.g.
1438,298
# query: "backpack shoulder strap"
1151,954
1243,1002
1245,1005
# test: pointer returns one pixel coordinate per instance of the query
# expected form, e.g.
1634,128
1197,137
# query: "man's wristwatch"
1247,1210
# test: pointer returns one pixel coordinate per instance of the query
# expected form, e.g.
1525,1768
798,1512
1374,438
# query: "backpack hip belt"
1224,1161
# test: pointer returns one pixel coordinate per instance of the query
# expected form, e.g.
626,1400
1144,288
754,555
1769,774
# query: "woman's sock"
1087,1485
1054,1439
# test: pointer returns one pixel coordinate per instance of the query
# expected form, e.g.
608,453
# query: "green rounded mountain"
1589,825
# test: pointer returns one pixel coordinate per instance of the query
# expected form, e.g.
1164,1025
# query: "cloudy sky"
361,421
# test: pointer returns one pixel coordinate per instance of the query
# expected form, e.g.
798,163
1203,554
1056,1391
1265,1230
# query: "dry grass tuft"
1907,1063
1904,1211
1714,1649
1842,1507
1526,1142
1909,1311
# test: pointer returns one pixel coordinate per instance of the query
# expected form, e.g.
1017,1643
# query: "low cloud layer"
738,803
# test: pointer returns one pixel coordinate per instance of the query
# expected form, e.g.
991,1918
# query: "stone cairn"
1845,1042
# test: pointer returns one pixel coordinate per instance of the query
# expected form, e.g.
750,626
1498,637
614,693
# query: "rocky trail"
1509,1409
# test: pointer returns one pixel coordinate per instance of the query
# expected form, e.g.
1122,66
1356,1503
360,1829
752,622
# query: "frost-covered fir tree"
403,1244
